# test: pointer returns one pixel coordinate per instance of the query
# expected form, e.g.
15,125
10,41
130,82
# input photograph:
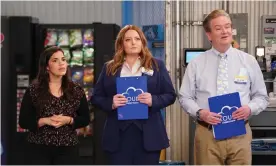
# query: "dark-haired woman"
51,109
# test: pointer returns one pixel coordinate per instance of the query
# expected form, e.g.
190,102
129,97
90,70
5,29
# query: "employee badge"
242,78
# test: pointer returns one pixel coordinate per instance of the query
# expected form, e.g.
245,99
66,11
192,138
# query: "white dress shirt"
135,71
199,82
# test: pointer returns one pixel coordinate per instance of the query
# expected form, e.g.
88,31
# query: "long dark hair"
42,78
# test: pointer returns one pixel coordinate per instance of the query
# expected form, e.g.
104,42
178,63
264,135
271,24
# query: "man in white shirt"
215,72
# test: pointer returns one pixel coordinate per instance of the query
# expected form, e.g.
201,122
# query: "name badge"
240,80
242,77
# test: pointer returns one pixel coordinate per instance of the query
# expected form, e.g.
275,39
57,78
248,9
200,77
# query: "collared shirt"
131,72
200,81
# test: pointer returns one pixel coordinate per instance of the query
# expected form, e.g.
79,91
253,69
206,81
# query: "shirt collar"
227,52
137,62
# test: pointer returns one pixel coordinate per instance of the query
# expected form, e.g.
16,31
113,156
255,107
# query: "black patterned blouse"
30,113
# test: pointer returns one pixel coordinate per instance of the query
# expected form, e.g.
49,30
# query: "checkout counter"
264,128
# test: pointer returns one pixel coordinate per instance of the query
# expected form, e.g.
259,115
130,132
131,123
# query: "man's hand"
242,113
210,117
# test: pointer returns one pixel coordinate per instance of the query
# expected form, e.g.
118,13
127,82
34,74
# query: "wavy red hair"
147,60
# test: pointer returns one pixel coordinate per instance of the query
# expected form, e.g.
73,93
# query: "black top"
30,113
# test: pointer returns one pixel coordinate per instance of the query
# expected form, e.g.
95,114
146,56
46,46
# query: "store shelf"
263,152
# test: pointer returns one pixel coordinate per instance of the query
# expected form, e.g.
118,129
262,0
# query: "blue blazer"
154,132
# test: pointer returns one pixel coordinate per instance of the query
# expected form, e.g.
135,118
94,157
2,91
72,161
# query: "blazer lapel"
111,81
148,77
152,81
112,78
149,82
118,73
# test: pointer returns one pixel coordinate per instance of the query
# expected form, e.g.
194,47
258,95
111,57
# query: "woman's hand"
60,120
145,98
118,101
47,121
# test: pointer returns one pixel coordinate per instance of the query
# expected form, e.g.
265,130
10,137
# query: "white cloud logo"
132,88
132,95
226,117
226,108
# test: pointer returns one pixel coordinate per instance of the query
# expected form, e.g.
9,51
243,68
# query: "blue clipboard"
225,105
131,87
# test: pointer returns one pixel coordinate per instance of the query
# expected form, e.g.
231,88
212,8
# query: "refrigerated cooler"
5,86
17,49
